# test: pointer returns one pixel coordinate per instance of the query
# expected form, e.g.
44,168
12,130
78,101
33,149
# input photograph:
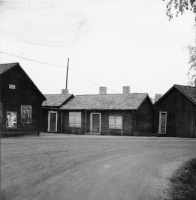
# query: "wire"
54,66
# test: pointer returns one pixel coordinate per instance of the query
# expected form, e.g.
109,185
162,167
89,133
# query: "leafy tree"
180,7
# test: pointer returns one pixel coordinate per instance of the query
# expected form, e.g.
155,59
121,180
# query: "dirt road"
65,167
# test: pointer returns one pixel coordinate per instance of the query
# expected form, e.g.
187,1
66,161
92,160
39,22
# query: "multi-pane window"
75,119
115,122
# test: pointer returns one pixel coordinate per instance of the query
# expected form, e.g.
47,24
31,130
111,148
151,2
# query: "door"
96,123
162,122
52,121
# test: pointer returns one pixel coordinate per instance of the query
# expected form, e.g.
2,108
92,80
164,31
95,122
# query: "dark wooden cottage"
108,114
20,102
175,112
51,117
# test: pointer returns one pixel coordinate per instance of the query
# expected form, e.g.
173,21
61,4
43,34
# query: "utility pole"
67,73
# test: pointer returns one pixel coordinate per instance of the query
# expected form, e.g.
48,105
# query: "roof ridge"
9,63
57,94
110,94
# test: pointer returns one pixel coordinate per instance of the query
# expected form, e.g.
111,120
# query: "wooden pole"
67,72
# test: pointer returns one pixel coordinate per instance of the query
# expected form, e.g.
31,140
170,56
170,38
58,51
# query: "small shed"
108,114
51,117
175,112
20,102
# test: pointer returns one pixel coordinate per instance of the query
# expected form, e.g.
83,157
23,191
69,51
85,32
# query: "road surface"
71,167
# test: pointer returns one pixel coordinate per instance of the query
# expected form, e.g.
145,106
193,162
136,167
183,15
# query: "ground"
71,167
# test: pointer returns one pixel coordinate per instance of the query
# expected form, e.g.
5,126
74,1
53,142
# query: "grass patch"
183,182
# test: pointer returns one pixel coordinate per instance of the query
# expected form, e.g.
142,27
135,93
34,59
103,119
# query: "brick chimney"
65,91
102,90
126,89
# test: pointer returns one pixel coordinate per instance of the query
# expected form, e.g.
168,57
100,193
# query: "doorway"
52,121
96,122
162,122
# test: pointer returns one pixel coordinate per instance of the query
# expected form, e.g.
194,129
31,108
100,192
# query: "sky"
111,43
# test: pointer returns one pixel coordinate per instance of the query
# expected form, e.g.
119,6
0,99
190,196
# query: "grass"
183,182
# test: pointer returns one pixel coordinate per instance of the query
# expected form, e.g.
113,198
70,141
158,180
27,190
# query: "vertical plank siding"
138,123
12,99
181,115
144,119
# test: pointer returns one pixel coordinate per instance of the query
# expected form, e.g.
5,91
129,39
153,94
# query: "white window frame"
49,120
73,125
116,116
91,121
159,130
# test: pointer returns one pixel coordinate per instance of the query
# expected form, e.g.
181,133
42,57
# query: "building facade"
51,116
20,102
175,113
108,114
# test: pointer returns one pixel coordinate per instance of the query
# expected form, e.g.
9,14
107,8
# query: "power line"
54,66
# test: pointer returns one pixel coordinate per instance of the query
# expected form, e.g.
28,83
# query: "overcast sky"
113,43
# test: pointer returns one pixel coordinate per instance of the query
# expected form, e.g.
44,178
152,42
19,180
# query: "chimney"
126,89
102,90
65,91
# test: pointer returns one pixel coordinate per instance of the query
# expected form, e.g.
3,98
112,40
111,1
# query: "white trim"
49,120
91,121
159,129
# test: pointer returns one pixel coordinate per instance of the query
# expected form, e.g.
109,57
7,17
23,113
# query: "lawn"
89,167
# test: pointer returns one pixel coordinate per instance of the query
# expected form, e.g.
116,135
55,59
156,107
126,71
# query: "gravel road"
71,167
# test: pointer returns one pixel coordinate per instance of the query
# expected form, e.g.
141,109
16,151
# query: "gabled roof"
130,101
188,91
56,99
6,67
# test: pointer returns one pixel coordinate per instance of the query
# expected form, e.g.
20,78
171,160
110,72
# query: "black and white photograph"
98,99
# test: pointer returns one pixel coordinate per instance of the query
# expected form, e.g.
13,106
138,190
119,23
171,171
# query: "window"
11,119
26,114
115,122
75,119
12,87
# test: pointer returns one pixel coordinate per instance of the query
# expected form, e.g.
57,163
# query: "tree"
157,97
180,7
192,62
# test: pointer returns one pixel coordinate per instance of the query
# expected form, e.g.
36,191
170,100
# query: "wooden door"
52,122
162,122
95,123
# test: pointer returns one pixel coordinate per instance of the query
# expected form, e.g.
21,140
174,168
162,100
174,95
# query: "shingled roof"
106,102
6,67
56,99
188,91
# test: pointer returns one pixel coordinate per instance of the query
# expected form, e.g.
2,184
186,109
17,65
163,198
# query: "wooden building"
108,114
175,112
20,102
51,117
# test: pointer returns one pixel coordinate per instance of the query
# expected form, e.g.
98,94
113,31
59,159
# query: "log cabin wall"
181,115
